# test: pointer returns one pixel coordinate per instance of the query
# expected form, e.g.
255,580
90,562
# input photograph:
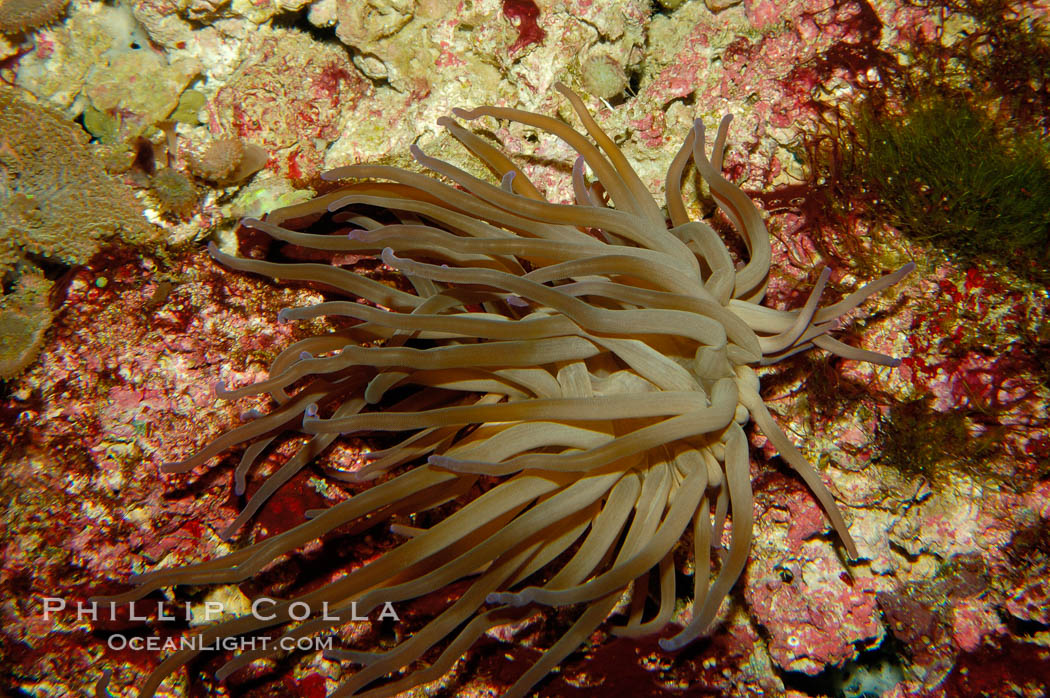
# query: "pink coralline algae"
915,624
126,377
764,65
813,613
785,503
971,622
290,98
940,620
650,129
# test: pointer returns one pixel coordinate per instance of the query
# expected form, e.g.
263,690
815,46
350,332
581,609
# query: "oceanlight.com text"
196,643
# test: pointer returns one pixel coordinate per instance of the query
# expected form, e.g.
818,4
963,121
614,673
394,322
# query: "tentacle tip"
284,316
213,250
894,362
510,599
440,461
517,301
361,476
311,411
336,205
908,268
362,235
671,644
507,181
171,467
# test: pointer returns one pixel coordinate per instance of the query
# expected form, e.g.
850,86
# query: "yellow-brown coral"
56,201
56,198
22,15
24,318
575,378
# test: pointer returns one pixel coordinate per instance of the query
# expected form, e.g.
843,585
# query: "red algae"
128,384
525,16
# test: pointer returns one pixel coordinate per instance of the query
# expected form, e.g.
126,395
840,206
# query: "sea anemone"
561,391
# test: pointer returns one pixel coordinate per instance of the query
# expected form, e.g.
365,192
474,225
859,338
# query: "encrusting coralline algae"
954,553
